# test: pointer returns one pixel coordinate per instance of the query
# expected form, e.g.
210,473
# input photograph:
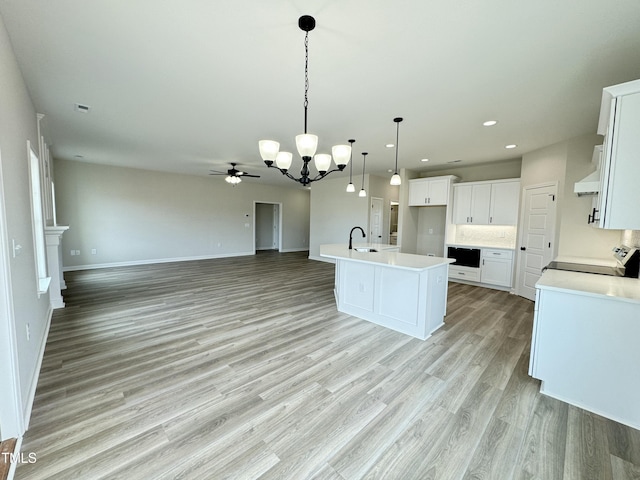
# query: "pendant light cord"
397,146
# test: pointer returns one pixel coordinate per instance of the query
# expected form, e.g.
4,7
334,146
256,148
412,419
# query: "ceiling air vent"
79,107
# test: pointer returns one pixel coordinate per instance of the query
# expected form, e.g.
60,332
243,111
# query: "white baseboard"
291,250
152,261
28,406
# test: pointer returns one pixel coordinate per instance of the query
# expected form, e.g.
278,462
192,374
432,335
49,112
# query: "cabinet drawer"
495,253
464,273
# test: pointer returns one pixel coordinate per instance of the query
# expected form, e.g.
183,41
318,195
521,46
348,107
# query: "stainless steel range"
627,264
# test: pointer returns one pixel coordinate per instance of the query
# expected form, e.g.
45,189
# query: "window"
37,217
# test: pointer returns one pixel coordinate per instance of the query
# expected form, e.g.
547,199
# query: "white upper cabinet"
471,204
505,199
486,203
430,191
620,124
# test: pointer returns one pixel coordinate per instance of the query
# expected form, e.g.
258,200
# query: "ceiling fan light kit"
233,175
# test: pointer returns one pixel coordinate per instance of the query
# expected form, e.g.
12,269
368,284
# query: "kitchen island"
400,291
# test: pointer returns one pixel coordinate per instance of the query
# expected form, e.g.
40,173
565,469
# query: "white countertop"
381,257
590,284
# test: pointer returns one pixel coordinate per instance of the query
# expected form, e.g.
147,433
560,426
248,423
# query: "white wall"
17,125
138,216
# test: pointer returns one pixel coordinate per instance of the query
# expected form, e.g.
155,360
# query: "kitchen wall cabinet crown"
620,167
430,191
486,203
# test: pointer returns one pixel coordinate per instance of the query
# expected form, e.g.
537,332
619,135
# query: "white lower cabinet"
585,351
496,267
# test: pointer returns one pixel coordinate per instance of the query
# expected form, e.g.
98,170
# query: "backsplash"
486,236
631,238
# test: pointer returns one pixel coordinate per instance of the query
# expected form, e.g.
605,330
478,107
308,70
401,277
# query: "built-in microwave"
465,257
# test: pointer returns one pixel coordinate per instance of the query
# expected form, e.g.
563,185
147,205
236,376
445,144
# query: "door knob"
523,248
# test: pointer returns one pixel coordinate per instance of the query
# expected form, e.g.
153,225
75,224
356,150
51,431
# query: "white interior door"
375,220
537,232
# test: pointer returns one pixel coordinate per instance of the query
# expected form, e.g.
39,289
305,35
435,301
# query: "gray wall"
136,216
22,305
567,162
334,211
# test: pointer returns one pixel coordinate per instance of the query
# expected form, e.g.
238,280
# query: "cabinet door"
505,198
495,271
480,204
418,192
619,192
438,192
461,203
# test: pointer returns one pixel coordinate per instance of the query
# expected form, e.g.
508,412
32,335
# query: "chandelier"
306,143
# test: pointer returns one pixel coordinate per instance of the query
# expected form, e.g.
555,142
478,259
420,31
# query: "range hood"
589,185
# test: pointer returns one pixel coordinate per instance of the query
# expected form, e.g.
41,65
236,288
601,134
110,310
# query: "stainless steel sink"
365,249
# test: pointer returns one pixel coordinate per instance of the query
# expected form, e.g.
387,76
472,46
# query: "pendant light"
351,188
395,178
306,143
363,192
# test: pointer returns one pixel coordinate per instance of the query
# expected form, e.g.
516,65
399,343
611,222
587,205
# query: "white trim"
152,261
255,203
11,420
34,382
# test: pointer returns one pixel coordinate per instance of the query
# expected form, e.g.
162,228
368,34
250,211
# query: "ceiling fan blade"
247,175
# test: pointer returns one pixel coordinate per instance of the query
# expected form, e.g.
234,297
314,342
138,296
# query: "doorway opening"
267,226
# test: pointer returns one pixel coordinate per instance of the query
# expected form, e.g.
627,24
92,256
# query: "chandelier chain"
306,78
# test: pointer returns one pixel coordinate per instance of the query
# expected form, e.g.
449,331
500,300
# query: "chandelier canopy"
306,143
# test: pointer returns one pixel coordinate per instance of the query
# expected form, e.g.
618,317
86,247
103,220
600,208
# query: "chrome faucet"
351,236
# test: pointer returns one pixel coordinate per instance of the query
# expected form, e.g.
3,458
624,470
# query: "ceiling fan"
233,175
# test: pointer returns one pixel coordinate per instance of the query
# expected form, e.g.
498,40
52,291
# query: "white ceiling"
185,86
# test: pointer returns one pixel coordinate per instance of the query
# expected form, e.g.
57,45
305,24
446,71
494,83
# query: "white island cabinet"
585,342
400,291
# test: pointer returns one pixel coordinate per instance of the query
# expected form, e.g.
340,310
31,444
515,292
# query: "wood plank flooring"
242,368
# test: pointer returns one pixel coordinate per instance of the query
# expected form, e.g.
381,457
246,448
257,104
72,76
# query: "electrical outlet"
77,252
73,253
93,251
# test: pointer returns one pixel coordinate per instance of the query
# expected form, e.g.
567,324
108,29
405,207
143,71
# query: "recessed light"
389,145
510,146
424,160
389,171
490,123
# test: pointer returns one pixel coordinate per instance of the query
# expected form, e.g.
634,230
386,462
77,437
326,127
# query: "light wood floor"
242,368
